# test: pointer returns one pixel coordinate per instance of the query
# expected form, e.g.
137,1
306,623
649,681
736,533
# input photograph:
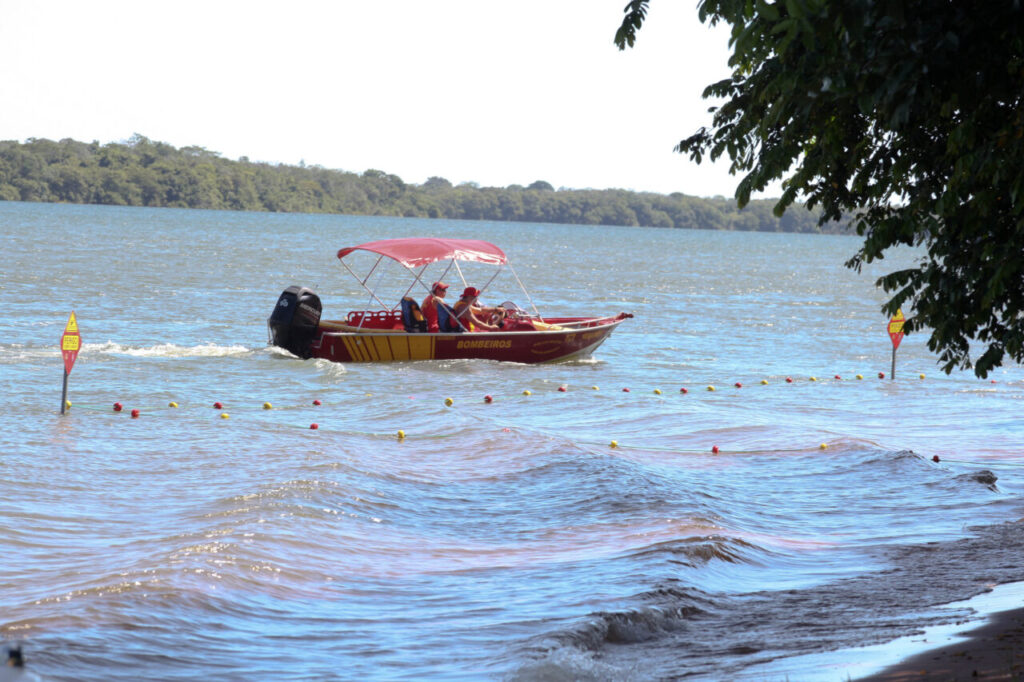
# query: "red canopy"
415,252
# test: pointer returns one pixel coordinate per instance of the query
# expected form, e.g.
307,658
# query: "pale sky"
495,92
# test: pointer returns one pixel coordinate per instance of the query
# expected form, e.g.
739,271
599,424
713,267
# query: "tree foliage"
906,114
141,172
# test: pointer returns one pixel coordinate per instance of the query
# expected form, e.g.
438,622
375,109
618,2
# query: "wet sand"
993,651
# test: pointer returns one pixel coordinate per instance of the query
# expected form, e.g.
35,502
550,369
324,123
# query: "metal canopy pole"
528,297
416,277
459,270
488,283
363,284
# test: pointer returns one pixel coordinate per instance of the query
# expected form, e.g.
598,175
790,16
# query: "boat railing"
375,319
582,322
391,320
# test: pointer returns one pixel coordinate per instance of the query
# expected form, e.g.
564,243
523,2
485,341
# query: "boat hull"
519,346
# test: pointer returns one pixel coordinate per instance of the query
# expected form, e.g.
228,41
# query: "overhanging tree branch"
907,115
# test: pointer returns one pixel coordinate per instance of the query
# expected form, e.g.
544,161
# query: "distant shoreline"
141,172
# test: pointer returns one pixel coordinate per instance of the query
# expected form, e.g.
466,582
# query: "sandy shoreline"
993,651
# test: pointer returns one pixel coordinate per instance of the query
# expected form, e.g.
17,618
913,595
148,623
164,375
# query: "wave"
669,610
16,352
890,458
698,550
674,631
167,350
331,370
893,461
983,476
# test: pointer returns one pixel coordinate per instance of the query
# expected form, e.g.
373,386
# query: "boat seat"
446,320
412,316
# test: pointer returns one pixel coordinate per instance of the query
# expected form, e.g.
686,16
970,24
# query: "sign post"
70,343
896,334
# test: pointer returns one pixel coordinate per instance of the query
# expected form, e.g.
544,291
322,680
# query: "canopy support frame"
418,277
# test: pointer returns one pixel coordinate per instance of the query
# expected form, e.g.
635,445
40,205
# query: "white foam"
330,368
166,350
570,664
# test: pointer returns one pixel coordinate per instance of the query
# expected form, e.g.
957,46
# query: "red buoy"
118,407
561,389
739,385
218,405
314,426
135,414
683,390
838,377
714,449
316,402
881,375
625,390
789,380
488,399
935,458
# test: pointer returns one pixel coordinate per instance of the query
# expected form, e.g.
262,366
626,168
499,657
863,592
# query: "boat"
398,332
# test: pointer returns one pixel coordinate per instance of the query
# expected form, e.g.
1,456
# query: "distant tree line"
141,172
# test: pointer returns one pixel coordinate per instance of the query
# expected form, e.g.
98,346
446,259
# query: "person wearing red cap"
466,311
429,307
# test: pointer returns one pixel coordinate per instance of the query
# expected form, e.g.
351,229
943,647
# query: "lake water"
499,541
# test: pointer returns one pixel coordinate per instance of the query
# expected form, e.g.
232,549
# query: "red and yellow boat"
397,333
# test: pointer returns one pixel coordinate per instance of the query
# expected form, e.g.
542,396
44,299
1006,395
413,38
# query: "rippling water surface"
503,540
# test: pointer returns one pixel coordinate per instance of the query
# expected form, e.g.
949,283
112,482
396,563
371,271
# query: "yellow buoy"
764,382
614,443
921,375
172,404
224,415
657,391
67,404
527,392
711,388
823,446
267,406
860,376
401,434
594,388
448,402
814,378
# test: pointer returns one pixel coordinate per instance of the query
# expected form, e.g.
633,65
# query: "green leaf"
766,11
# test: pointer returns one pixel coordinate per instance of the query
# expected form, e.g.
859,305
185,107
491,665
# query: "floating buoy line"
221,409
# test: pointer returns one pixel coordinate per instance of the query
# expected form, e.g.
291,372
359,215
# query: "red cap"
438,285
470,291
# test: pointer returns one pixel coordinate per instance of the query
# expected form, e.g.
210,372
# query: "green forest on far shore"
141,172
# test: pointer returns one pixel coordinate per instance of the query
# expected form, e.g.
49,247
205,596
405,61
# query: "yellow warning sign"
896,328
896,323
70,343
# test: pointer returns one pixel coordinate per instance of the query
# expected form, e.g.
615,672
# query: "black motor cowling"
293,324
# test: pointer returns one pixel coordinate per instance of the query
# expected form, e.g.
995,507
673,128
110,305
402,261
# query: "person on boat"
466,311
429,307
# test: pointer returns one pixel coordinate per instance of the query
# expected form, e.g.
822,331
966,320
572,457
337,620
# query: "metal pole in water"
70,344
892,374
64,393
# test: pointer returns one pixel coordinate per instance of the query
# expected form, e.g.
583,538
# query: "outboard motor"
293,324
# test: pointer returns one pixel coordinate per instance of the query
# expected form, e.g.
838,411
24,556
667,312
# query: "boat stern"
295,321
